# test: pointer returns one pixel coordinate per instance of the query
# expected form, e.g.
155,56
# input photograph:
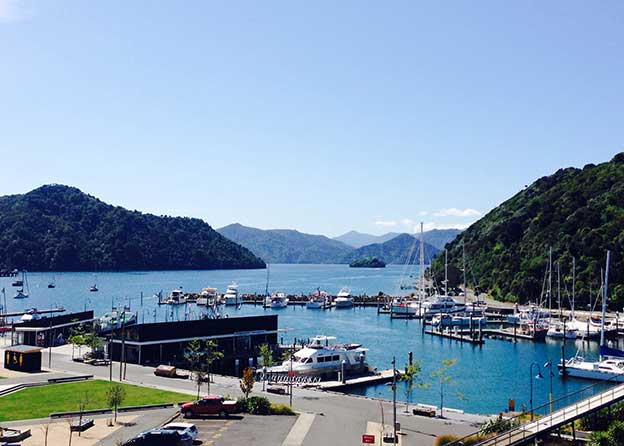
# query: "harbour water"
483,379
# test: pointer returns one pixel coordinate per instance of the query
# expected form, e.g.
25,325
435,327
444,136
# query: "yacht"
320,357
458,320
344,299
557,329
401,307
115,319
318,300
207,297
278,300
176,297
532,314
231,295
441,304
21,294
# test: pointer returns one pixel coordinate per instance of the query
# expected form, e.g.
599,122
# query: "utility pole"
290,372
394,431
446,272
464,268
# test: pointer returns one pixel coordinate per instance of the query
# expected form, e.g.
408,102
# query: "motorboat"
533,313
176,297
278,300
207,297
557,329
441,304
321,357
402,307
344,299
318,300
30,315
231,295
458,320
93,289
115,319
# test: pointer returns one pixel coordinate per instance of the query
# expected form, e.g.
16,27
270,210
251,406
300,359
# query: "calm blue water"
484,378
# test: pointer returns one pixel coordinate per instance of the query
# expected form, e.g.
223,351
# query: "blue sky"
321,116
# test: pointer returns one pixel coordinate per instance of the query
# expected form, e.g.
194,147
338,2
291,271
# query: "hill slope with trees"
60,228
394,251
577,212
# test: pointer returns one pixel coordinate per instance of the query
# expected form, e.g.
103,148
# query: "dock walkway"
382,377
541,426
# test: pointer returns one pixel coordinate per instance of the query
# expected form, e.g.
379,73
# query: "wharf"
379,378
4,273
509,333
21,313
460,336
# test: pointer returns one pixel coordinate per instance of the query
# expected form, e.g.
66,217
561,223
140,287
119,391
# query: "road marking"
299,430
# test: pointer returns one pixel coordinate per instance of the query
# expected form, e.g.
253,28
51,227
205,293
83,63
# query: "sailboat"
94,288
558,328
23,292
52,283
610,366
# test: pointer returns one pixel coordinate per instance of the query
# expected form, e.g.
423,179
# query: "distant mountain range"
286,245
289,246
60,228
395,250
436,237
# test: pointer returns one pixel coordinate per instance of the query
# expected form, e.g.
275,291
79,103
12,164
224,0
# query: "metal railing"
549,421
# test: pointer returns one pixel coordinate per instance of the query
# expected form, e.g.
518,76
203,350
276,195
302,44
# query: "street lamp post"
394,423
548,365
538,376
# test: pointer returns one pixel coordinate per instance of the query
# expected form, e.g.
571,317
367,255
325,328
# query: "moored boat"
344,299
231,295
207,297
318,300
278,300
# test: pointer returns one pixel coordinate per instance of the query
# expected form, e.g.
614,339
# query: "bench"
86,423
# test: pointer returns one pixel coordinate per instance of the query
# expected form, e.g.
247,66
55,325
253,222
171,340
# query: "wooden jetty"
7,273
21,313
510,334
368,380
460,336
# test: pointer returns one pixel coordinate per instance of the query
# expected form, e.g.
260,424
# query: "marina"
476,366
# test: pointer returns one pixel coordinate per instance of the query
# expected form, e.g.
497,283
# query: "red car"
209,405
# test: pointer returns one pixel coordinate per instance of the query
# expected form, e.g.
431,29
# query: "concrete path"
299,431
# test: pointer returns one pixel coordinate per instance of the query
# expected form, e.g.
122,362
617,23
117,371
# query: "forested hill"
286,245
579,212
60,228
394,251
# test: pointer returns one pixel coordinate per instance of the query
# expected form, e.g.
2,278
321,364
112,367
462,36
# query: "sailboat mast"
549,282
446,272
266,291
422,262
464,267
604,301
559,288
573,283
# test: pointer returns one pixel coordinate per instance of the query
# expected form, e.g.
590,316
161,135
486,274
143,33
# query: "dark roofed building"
238,338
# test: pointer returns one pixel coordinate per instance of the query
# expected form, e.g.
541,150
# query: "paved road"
339,419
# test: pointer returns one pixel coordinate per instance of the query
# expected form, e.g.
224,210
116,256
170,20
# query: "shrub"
441,440
258,405
280,409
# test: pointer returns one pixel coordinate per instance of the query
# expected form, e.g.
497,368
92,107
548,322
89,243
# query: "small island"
367,262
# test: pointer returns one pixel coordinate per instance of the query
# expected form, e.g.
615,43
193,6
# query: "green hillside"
394,251
577,212
60,228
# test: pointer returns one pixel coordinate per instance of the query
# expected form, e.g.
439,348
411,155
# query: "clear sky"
322,116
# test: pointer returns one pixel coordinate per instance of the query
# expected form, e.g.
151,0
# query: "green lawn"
39,402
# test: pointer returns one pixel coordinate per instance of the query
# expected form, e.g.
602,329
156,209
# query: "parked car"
160,437
209,405
185,428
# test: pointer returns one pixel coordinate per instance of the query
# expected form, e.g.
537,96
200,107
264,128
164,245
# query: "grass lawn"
39,402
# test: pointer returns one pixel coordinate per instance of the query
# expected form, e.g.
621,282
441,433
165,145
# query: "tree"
613,436
266,354
409,377
82,405
196,357
77,338
115,396
444,378
247,382
212,355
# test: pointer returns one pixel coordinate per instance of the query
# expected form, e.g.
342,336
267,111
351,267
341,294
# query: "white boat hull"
597,375
343,303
